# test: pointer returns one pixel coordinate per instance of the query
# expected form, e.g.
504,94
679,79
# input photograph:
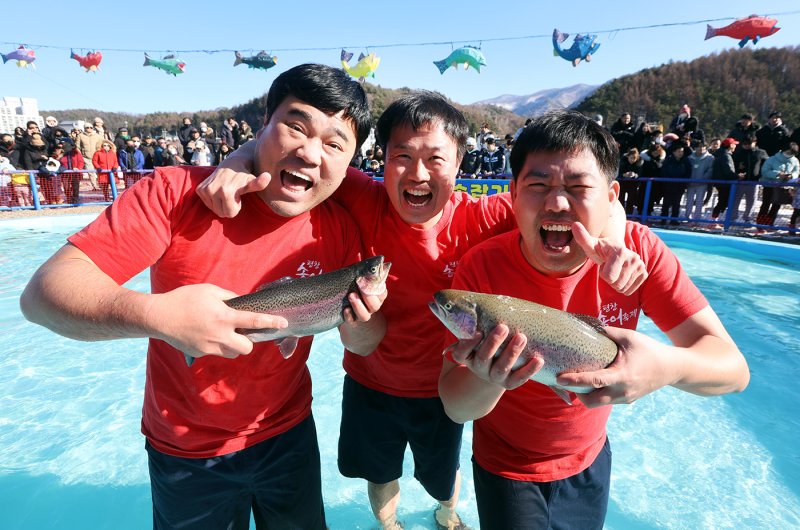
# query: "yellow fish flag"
366,65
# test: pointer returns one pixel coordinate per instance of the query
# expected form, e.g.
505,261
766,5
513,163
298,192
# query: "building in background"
16,112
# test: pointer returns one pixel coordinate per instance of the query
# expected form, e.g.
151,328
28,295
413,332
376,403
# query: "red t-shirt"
531,434
218,405
408,360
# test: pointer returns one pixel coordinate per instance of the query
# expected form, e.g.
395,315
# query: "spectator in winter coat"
244,134
676,166
724,170
748,159
228,132
105,162
653,160
131,161
702,163
771,136
71,164
471,162
202,155
623,132
743,128
493,159
630,168
780,167
684,122
185,132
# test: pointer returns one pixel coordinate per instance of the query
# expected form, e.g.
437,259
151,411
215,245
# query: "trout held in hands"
310,305
567,342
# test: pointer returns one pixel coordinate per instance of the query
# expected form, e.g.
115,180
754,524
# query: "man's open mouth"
295,182
556,237
417,198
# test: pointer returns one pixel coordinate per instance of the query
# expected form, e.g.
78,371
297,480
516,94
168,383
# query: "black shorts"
578,502
376,427
279,479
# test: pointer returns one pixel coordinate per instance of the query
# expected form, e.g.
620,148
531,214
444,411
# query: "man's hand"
497,370
221,192
196,320
363,327
620,267
638,370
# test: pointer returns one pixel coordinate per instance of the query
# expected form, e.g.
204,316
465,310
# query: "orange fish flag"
752,28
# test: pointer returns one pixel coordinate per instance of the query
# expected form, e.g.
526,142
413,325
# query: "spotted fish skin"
567,342
313,304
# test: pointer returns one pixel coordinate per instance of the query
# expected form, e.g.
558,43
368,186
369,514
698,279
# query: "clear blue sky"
516,65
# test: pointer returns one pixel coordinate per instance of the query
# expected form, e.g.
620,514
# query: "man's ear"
613,191
512,188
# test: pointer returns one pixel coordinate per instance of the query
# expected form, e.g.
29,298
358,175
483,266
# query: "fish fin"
189,359
170,56
262,53
346,56
555,52
591,321
238,60
563,394
588,57
576,61
743,42
441,65
756,39
146,60
287,345
710,32
361,56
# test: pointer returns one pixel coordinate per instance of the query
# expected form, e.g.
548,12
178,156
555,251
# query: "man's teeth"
557,228
299,175
418,193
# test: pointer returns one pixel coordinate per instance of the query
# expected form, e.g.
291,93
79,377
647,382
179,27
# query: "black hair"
329,89
566,131
420,108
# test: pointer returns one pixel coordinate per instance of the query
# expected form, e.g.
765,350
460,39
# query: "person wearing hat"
99,127
684,122
723,170
121,139
105,162
743,128
471,161
493,159
52,132
771,136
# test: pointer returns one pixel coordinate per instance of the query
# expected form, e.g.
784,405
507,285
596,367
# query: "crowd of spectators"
64,159
749,153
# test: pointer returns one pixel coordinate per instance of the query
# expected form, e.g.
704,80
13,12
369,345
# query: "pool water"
72,455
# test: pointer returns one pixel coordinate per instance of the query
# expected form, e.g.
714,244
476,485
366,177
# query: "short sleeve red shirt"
531,434
218,405
409,358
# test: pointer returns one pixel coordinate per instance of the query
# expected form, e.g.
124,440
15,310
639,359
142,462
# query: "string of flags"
584,45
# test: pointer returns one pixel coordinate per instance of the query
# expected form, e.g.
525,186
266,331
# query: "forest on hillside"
719,88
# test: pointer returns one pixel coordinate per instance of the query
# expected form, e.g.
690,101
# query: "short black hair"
329,89
420,108
566,131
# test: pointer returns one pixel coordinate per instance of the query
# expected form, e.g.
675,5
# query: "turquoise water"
72,456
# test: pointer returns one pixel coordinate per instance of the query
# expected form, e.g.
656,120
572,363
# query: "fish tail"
5,58
710,32
147,61
73,55
559,37
346,56
238,60
441,65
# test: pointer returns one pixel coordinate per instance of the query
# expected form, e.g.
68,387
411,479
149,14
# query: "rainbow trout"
311,305
567,342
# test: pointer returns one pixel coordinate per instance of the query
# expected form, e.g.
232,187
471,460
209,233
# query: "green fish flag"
170,64
468,55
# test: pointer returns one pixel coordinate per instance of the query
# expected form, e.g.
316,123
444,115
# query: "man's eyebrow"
300,113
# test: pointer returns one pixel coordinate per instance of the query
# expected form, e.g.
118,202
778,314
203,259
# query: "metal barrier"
38,190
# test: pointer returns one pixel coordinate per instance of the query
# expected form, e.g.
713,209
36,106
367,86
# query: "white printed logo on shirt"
309,268
612,314
450,269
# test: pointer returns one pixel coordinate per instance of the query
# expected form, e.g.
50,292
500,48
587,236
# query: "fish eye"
448,306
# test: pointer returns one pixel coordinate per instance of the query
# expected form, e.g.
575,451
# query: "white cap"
471,141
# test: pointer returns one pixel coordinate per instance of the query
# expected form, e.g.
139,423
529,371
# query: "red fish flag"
752,28
90,61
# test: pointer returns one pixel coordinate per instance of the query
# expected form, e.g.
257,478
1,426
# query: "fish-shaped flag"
752,28
24,57
170,64
262,60
466,55
90,61
582,47
366,65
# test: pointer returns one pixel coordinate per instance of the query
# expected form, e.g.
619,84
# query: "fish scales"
566,341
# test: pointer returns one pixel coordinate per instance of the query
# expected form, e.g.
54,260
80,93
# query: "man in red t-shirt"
538,462
416,220
233,433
